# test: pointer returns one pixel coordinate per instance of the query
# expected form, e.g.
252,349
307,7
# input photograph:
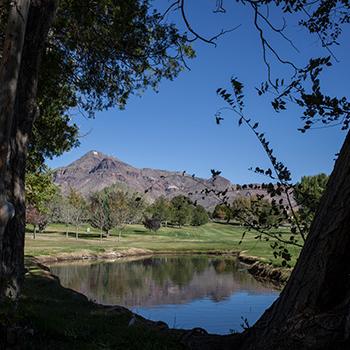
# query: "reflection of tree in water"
157,280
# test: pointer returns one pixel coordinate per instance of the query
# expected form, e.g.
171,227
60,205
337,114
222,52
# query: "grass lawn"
207,238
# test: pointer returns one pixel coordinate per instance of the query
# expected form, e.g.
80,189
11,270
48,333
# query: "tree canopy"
97,55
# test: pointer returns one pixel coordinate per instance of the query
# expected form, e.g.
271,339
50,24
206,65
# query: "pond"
214,293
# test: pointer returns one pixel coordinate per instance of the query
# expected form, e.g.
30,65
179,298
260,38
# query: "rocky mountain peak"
95,171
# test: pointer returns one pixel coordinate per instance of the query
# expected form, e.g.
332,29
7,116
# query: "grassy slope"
210,237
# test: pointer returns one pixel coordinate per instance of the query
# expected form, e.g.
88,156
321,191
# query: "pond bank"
116,254
264,271
259,268
49,316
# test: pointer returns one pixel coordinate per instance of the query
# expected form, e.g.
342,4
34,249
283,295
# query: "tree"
266,214
308,194
13,47
152,224
65,212
40,193
114,208
312,311
78,208
35,218
306,305
241,209
199,216
40,190
161,209
137,206
119,209
74,66
181,210
222,212
99,212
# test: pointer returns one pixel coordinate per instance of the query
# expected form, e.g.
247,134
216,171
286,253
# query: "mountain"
95,171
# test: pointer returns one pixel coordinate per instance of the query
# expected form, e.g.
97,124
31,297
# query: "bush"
152,224
199,216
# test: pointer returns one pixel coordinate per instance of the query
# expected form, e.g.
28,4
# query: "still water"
216,294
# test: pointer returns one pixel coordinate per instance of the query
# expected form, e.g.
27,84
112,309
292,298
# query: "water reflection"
181,290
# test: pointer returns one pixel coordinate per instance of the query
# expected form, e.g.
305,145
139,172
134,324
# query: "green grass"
207,238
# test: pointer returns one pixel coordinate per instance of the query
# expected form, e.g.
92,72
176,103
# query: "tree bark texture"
9,73
41,14
313,311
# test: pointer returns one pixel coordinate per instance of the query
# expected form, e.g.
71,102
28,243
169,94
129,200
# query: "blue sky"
175,128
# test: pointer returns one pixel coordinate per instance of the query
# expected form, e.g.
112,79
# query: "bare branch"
266,45
196,34
279,30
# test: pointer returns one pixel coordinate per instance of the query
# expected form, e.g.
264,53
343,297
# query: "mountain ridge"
95,170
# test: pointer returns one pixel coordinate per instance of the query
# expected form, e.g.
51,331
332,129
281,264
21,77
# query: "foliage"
304,89
137,207
40,190
161,209
199,216
152,224
41,193
99,211
98,55
35,218
265,213
63,211
119,209
279,208
114,208
240,209
222,212
307,194
181,210
78,209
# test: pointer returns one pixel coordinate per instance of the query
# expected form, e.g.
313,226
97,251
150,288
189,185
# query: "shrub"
152,224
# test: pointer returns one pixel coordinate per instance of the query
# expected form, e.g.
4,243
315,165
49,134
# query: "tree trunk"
41,14
313,311
9,73
34,231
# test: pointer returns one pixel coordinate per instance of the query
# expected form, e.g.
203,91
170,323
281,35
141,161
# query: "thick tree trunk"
9,72
313,311
41,14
